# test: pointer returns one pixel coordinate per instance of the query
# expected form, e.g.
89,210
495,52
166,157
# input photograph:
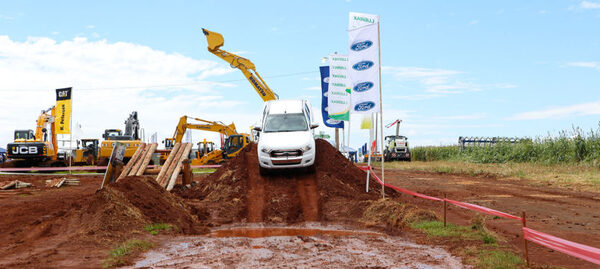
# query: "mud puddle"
293,247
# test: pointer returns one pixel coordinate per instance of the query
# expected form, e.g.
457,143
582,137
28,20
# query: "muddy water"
292,247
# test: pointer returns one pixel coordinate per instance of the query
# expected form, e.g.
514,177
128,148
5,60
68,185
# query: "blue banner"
325,89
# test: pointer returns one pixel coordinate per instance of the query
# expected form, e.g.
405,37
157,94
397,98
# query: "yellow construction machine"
206,153
131,137
216,41
39,148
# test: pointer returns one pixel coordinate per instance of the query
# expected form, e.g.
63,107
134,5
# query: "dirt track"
76,226
567,214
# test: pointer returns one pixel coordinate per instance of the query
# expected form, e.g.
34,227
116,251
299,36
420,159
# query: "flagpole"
381,110
71,135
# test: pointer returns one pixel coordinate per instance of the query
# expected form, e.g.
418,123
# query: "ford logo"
364,106
332,121
362,65
363,45
326,79
363,86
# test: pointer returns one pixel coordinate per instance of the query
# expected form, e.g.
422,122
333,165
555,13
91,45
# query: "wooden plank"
127,167
169,170
187,173
138,161
146,159
183,156
165,166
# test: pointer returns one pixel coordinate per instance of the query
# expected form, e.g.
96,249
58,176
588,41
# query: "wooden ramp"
139,161
173,165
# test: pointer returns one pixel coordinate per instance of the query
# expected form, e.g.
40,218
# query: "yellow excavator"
39,148
234,141
131,138
216,41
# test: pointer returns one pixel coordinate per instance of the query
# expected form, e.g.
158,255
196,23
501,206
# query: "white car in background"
286,136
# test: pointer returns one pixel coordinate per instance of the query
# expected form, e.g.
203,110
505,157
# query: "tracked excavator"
39,148
206,153
216,41
131,138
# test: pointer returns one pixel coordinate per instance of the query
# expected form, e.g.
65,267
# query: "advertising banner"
62,122
339,93
364,69
329,122
361,19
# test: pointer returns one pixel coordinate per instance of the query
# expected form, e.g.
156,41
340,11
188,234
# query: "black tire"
311,169
263,171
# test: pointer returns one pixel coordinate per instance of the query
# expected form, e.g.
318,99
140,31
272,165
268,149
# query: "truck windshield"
292,122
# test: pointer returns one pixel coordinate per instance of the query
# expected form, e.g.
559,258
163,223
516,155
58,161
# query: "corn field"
570,146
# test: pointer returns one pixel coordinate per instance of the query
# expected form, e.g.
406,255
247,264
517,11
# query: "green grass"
155,228
437,229
574,146
490,255
204,170
498,259
118,254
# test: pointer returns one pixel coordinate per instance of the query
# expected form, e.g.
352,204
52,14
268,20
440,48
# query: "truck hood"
286,140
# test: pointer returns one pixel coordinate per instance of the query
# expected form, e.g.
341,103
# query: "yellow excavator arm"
211,126
216,41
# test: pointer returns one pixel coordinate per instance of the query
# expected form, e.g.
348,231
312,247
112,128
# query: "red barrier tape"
457,203
483,209
583,252
81,168
590,254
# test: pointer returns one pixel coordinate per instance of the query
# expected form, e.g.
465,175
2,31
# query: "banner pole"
71,135
370,151
381,111
347,148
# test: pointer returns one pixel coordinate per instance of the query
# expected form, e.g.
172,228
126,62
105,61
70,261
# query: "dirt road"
568,214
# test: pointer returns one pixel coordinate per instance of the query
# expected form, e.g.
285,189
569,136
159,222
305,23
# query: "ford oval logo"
363,45
362,65
364,106
363,86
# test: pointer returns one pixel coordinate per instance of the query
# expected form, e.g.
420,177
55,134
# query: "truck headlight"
306,148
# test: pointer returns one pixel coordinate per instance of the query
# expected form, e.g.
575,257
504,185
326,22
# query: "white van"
286,135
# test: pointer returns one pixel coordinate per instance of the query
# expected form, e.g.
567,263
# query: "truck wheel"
263,171
310,169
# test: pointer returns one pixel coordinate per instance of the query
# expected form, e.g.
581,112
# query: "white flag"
364,69
361,19
338,104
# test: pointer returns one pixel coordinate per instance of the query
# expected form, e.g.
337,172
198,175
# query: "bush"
569,147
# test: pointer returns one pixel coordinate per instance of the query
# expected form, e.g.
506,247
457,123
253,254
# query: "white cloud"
91,26
476,116
313,88
593,65
473,22
584,109
589,5
110,80
7,18
437,82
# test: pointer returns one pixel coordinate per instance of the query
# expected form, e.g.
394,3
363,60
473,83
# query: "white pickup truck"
286,136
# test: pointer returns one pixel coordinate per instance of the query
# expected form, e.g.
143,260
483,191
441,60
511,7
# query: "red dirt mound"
237,192
51,225
132,203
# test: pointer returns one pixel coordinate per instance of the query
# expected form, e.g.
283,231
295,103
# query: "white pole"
370,150
381,113
347,149
71,135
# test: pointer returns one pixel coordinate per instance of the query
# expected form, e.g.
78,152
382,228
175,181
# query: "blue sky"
450,68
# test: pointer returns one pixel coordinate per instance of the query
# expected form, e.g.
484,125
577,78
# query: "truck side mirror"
314,125
257,128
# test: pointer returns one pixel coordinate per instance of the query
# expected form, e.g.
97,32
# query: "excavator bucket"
215,40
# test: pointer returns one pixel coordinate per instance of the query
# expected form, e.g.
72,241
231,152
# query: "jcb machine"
234,142
39,148
131,137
